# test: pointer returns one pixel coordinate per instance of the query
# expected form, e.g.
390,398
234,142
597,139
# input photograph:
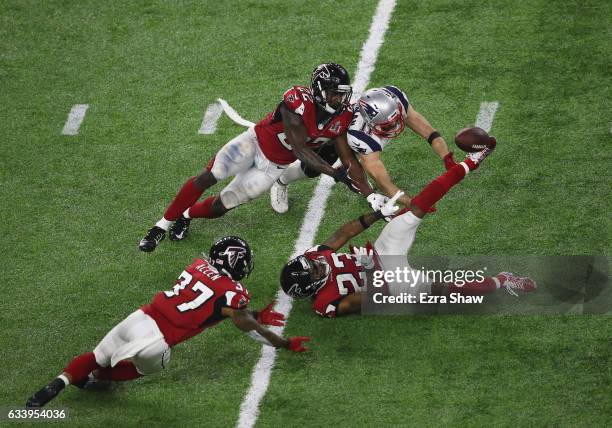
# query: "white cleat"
279,198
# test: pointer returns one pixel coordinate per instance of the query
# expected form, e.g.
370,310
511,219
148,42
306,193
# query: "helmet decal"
233,255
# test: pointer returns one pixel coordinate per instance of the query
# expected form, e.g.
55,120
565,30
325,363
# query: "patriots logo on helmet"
234,254
368,109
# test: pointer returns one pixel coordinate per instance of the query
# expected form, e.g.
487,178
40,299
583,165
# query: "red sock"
435,190
81,366
474,288
203,209
186,197
124,370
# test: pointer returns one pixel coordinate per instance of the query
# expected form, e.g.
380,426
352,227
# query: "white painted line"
369,50
486,115
75,118
211,117
249,409
233,114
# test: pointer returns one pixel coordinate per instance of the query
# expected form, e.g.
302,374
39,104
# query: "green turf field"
75,207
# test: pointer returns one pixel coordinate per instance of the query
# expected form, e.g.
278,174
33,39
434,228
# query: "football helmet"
232,256
383,111
331,87
302,277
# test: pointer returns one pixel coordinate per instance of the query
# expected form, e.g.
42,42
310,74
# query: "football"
473,139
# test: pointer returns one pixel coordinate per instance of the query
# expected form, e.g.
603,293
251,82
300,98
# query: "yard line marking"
249,409
75,118
233,114
211,117
486,115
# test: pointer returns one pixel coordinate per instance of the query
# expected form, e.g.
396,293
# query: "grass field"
75,207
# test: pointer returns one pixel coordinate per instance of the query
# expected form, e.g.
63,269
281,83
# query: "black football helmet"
232,256
331,87
302,277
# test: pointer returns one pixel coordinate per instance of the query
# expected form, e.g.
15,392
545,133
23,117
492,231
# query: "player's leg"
136,327
398,236
235,156
279,197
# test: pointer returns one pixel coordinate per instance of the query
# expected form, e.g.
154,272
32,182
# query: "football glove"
364,256
342,176
296,343
389,208
268,316
376,201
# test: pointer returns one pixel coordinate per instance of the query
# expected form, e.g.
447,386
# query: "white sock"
496,281
164,224
292,173
398,235
186,213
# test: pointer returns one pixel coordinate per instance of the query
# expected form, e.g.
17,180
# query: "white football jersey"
360,136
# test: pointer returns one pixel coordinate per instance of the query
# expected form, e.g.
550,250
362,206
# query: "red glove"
448,160
268,316
295,343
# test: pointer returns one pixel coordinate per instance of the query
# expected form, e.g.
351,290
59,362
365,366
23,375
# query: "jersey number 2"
199,287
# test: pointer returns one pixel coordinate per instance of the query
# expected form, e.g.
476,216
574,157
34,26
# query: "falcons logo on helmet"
233,255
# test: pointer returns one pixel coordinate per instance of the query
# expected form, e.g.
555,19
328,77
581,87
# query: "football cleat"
46,394
512,283
279,198
178,231
474,159
153,237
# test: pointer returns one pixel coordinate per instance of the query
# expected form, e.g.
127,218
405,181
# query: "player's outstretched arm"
297,135
350,163
355,227
244,320
417,122
375,168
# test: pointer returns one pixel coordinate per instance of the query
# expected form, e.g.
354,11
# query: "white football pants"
396,239
137,337
253,173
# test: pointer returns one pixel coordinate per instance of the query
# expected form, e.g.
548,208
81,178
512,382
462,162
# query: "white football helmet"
384,111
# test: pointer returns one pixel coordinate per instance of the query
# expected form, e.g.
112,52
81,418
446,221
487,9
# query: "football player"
306,119
380,115
336,280
206,292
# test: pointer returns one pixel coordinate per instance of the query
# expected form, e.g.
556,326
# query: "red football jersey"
271,132
195,302
347,276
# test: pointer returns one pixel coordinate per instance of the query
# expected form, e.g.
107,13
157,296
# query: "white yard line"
260,379
75,118
211,117
486,115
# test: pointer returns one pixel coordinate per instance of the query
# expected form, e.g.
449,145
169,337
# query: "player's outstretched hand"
296,343
376,201
343,177
268,316
390,208
365,256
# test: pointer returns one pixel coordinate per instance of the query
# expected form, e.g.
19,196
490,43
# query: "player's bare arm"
350,304
355,227
350,162
297,135
417,122
376,169
245,320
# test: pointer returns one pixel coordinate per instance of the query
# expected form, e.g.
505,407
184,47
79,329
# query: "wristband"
433,136
364,224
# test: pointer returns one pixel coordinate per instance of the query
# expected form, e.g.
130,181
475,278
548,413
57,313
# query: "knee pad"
230,198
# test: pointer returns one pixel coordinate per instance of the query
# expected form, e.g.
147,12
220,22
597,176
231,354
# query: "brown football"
473,139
